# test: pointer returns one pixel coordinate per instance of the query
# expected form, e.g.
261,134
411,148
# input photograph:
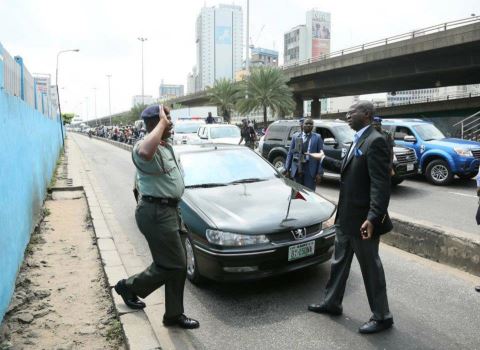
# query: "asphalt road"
453,206
434,306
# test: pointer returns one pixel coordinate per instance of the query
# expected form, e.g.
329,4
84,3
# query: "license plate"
301,250
410,167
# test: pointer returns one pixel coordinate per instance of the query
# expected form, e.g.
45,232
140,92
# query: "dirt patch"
61,298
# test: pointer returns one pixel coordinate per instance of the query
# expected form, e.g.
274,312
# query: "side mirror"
330,141
410,138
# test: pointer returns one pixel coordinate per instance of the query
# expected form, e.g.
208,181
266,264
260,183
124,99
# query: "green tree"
67,117
224,94
266,87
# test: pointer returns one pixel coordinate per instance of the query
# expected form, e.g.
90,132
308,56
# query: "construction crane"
252,46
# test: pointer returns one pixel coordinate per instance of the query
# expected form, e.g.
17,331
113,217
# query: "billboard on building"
320,26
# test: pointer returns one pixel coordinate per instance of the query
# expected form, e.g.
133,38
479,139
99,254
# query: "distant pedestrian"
160,183
210,119
361,218
248,134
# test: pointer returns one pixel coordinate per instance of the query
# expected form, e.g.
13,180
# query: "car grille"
407,157
287,235
476,153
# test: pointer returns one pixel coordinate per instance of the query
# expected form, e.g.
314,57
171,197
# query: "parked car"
185,131
440,157
240,220
219,133
337,137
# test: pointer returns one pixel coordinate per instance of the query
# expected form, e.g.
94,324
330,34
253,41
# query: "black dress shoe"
129,298
181,321
375,326
324,309
477,288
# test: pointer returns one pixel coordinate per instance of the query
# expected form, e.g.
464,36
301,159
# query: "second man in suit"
299,165
361,218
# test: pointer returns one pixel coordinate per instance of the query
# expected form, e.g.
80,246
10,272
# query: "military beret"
151,112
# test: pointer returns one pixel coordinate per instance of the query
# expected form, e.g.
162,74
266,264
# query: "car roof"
406,121
220,125
202,147
315,122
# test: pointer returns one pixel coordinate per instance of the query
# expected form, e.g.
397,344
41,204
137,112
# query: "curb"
458,249
118,261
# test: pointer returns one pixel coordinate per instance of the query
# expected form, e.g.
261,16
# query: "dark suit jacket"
314,167
364,184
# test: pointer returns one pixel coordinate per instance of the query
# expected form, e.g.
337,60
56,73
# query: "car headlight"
329,222
463,152
394,157
234,239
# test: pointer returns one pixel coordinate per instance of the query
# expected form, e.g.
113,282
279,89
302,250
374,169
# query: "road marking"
463,194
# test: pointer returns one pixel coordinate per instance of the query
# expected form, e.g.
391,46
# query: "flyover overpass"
442,55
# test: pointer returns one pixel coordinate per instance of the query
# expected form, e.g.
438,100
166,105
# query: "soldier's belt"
171,202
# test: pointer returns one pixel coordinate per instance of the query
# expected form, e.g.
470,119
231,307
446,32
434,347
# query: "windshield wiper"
206,185
244,181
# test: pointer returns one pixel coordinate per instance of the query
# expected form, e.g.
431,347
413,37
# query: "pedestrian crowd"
128,134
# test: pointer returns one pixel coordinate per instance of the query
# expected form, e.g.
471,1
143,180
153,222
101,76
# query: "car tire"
396,181
193,274
278,162
438,172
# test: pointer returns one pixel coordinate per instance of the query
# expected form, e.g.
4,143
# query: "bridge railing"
400,37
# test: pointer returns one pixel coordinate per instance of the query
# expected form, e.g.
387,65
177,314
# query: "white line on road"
463,194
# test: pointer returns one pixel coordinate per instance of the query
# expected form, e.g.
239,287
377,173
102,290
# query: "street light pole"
109,100
143,93
58,93
247,48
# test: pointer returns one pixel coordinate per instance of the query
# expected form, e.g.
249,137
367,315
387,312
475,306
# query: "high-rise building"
308,40
219,35
145,100
263,57
167,91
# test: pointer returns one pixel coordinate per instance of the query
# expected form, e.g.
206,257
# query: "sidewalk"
143,329
61,300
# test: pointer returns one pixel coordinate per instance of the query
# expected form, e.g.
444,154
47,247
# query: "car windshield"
428,132
187,128
345,133
229,131
223,167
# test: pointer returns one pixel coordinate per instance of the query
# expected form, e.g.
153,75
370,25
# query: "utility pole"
247,45
109,100
143,92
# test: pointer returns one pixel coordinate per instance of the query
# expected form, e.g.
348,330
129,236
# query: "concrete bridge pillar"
315,108
298,112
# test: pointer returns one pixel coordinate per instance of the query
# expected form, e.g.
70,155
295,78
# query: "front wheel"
278,162
438,172
395,180
192,270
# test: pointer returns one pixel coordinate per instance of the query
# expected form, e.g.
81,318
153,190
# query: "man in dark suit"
300,166
361,218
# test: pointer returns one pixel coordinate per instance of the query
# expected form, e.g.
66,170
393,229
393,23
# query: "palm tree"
266,87
224,95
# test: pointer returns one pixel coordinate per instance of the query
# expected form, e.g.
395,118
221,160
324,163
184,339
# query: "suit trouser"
306,180
159,224
371,266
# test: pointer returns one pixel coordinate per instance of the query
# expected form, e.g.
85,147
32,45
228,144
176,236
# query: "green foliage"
224,94
177,106
67,117
266,87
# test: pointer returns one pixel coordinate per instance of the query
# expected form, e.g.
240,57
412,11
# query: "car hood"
452,142
259,207
229,140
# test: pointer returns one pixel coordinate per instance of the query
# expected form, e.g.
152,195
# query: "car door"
293,130
399,136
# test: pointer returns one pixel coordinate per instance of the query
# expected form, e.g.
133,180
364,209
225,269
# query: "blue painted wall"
29,147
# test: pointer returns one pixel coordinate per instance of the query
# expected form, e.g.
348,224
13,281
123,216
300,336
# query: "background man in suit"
300,166
361,218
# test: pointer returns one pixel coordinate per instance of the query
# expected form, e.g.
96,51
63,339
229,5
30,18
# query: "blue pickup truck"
440,157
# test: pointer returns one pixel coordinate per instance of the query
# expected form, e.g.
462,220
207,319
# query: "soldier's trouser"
366,252
159,224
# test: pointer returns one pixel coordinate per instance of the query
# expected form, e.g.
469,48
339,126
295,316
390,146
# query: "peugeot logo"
299,233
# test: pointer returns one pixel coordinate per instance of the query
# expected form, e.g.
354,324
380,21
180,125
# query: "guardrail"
393,39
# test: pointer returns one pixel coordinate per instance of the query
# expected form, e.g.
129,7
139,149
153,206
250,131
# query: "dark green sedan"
244,220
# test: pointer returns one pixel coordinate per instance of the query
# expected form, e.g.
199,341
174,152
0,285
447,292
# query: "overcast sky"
106,33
